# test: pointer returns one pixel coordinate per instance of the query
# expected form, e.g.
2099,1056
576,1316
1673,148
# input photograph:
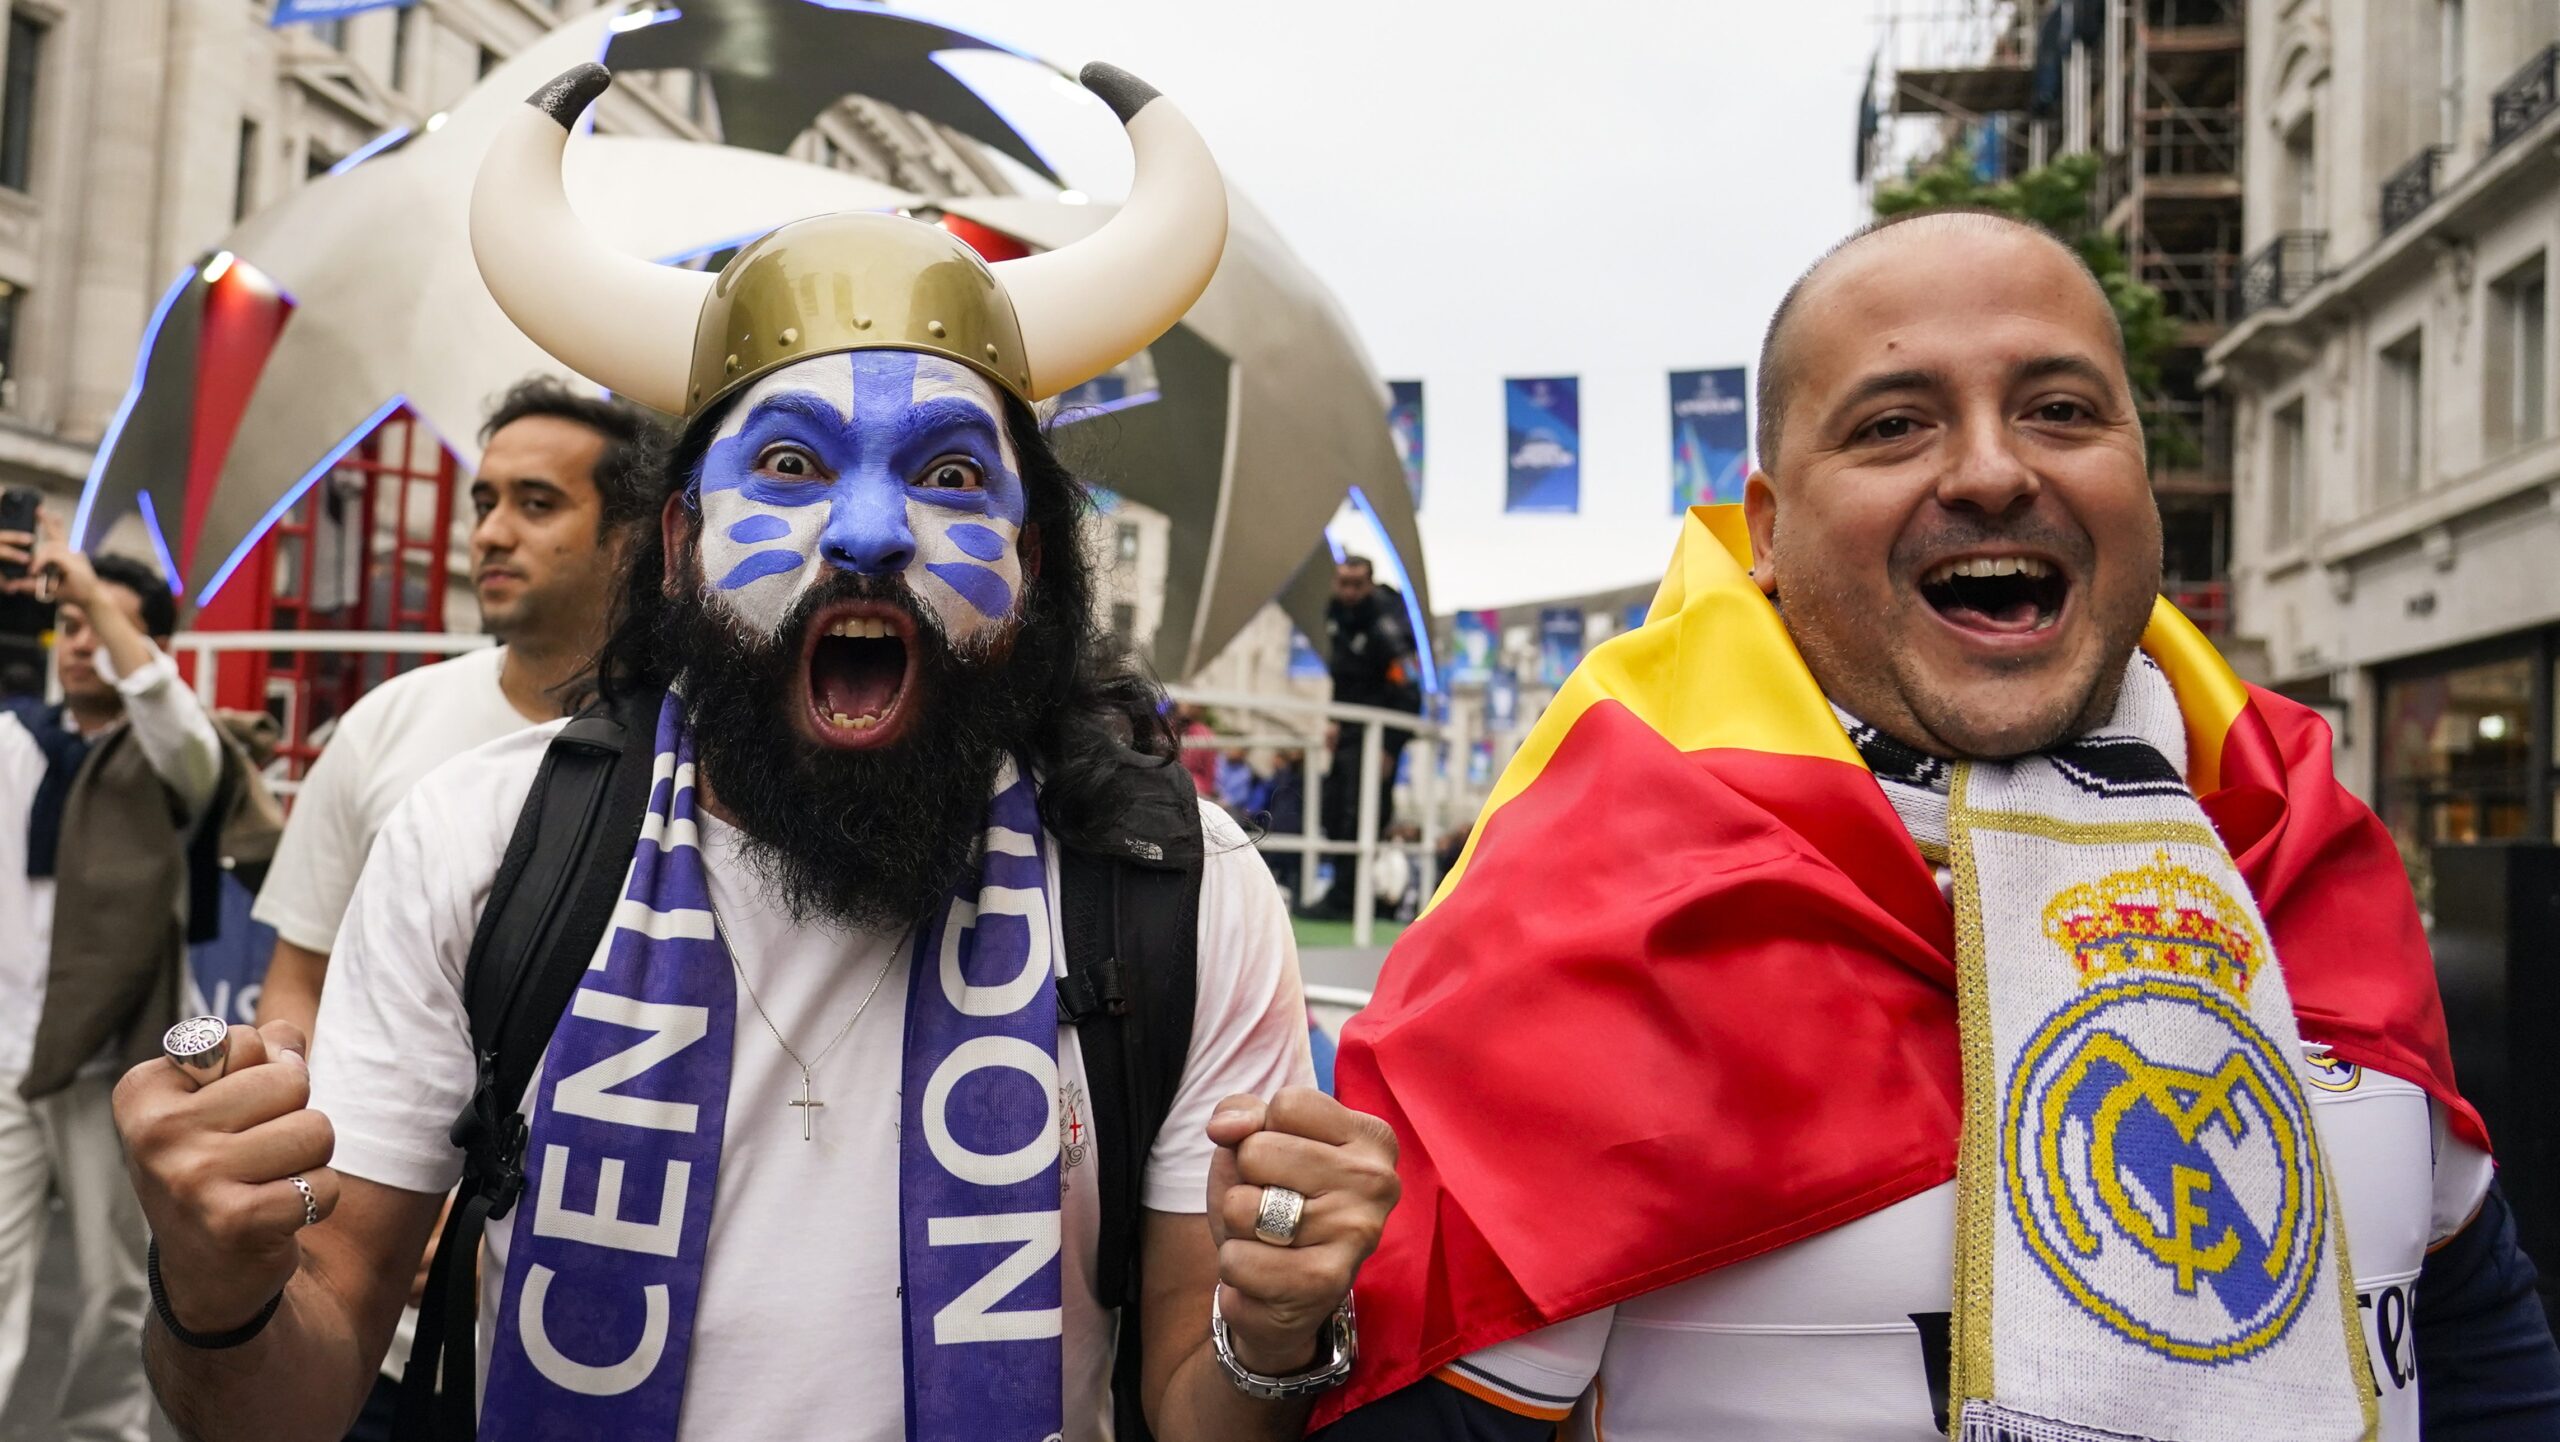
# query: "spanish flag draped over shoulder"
1689,994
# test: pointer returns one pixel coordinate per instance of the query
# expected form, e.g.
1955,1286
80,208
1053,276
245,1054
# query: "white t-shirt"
1814,1342
797,1333
394,735
25,959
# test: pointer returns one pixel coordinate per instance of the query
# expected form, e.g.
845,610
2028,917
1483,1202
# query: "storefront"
2467,745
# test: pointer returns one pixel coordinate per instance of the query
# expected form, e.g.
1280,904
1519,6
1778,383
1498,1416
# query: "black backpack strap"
1130,912
555,893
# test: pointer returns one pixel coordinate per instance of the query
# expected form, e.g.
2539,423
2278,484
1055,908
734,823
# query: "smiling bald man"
1983,1015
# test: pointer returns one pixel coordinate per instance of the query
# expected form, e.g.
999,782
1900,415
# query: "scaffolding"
2153,89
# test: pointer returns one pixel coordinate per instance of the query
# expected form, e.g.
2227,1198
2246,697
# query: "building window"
1124,627
10,297
2518,373
2457,754
488,61
2399,419
2450,73
18,100
400,22
2299,200
244,172
1128,544
316,161
2289,478
697,100
332,33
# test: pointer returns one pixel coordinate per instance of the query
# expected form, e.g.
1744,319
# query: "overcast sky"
1609,190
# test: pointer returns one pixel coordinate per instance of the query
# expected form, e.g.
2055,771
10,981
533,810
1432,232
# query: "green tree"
2057,197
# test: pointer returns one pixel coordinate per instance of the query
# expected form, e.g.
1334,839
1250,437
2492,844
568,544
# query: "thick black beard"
874,840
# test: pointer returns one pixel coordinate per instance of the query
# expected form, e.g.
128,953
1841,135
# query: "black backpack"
1129,912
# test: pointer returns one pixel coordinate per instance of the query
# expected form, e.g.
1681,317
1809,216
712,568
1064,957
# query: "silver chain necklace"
808,1103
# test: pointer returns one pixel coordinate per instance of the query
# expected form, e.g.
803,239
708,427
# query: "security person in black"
1371,656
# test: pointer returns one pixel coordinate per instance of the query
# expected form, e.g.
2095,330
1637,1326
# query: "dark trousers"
1341,814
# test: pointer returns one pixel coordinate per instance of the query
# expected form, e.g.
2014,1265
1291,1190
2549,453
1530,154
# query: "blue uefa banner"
1559,643
1543,419
1404,423
291,12
1475,636
1710,441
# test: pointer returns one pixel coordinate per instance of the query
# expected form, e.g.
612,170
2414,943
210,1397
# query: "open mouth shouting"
858,664
2002,600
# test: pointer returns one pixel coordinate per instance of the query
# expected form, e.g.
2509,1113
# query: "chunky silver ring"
1277,1223
200,1046
310,1203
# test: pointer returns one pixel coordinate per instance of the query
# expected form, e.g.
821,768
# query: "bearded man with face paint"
811,1150
1982,1015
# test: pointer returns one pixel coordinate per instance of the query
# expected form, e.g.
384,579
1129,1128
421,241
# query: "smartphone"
18,507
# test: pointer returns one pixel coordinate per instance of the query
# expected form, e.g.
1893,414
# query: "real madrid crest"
2157,1144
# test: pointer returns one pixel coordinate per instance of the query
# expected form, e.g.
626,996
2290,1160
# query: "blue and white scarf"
604,1276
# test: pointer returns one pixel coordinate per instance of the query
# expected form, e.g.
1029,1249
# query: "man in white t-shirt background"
564,478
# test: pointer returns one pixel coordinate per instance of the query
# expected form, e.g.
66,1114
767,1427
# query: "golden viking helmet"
680,340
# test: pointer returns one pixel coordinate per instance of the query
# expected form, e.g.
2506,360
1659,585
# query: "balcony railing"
2280,273
2411,188
2526,97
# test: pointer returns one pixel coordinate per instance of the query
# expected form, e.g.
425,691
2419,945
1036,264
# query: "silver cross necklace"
807,1103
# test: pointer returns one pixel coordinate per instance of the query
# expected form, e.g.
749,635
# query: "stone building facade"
2397,438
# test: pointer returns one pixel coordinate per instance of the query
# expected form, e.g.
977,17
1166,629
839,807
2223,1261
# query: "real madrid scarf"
604,1276
2147,1242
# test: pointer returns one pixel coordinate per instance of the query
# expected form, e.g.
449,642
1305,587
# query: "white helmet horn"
1089,306
625,323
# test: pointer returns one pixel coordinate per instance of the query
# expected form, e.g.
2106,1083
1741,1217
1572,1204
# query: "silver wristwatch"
1324,1376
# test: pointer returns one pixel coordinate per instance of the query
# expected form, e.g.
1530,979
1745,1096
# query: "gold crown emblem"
2158,917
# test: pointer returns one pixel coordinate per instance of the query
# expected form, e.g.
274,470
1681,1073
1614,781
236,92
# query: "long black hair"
1094,703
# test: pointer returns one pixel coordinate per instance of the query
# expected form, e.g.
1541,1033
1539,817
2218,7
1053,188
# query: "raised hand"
1277,1298
213,1165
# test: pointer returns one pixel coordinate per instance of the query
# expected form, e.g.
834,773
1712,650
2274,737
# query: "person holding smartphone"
100,806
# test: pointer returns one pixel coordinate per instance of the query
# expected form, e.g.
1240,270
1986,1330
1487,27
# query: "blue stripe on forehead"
884,390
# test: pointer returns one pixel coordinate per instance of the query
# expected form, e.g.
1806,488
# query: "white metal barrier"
1360,852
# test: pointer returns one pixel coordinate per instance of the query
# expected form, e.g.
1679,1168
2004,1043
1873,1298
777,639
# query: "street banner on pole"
1404,423
1710,444
290,12
1559,643
1474,637
1543,418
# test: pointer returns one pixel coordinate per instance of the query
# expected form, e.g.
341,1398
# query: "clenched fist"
212,1165
1278,1299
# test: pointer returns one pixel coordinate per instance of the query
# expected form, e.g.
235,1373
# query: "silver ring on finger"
200,1046
1277,1222
310,1203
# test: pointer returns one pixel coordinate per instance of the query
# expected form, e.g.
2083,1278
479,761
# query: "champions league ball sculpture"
681,341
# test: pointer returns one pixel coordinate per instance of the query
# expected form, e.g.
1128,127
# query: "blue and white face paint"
881,463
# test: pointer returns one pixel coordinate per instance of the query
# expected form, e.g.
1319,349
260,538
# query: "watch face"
194,1037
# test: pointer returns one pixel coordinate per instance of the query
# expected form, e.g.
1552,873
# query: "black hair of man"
159,607
626,472
1777,365
1362,562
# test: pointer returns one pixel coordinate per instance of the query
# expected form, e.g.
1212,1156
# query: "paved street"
26,1415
